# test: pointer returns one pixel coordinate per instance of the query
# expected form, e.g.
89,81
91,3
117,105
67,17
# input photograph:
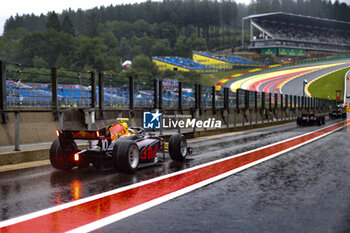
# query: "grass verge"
327,85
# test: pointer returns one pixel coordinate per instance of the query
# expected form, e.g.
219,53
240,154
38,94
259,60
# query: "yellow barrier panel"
167,66
207,60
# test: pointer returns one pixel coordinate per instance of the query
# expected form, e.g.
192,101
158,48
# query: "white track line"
112,192
116,217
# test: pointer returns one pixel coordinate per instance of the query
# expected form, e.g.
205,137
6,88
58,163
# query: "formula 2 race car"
116,146
310,119
339,113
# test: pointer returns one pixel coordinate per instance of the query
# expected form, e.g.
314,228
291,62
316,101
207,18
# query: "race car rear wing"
79,134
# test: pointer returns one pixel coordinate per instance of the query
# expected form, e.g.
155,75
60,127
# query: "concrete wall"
34,128
41,126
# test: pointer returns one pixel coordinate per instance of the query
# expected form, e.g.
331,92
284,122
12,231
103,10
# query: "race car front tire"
126,156
58,158
177,147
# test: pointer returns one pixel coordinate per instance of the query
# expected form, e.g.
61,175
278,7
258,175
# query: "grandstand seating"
285,30
184,63
229,59
305,33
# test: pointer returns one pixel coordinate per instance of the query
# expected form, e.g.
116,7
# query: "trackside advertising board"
291,52
270,51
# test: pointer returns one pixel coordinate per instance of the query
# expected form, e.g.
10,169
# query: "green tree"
10,24
143,63
16,34
88,52
109,39
61,61
196,43
67,25
182,49
53,22
91,24
10,50
125,49
39,61
47,45
161,48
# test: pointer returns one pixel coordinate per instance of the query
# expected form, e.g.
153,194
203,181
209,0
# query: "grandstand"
222,62
181,64
294,35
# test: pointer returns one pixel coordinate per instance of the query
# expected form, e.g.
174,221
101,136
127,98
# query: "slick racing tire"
299,121
126,156
177,147
319,121
58,158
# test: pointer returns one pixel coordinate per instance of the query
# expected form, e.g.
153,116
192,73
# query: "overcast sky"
12,7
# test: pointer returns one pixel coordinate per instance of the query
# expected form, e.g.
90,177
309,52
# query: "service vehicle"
338,113
308,119
115,146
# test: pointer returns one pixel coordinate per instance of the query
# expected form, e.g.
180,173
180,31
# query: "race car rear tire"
299,121
177,147
58,158
319,122
344,115
126,156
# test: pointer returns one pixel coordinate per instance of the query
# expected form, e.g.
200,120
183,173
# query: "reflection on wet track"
15,185
30,190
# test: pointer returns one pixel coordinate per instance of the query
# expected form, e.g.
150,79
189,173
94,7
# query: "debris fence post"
3,106
93,89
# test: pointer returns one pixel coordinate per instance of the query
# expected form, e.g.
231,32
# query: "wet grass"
328,85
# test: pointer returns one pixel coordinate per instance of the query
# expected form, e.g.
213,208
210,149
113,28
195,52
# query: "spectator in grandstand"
323,38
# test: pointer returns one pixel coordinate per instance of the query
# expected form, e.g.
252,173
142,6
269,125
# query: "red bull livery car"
116,146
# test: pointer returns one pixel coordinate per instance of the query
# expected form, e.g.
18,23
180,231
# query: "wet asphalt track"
295,86
305,190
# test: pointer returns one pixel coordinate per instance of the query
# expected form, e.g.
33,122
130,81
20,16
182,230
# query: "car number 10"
104,144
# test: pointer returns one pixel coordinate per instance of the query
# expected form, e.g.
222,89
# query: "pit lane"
30,190
305,190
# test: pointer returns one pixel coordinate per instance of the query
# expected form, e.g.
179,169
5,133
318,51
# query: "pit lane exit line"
100,210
